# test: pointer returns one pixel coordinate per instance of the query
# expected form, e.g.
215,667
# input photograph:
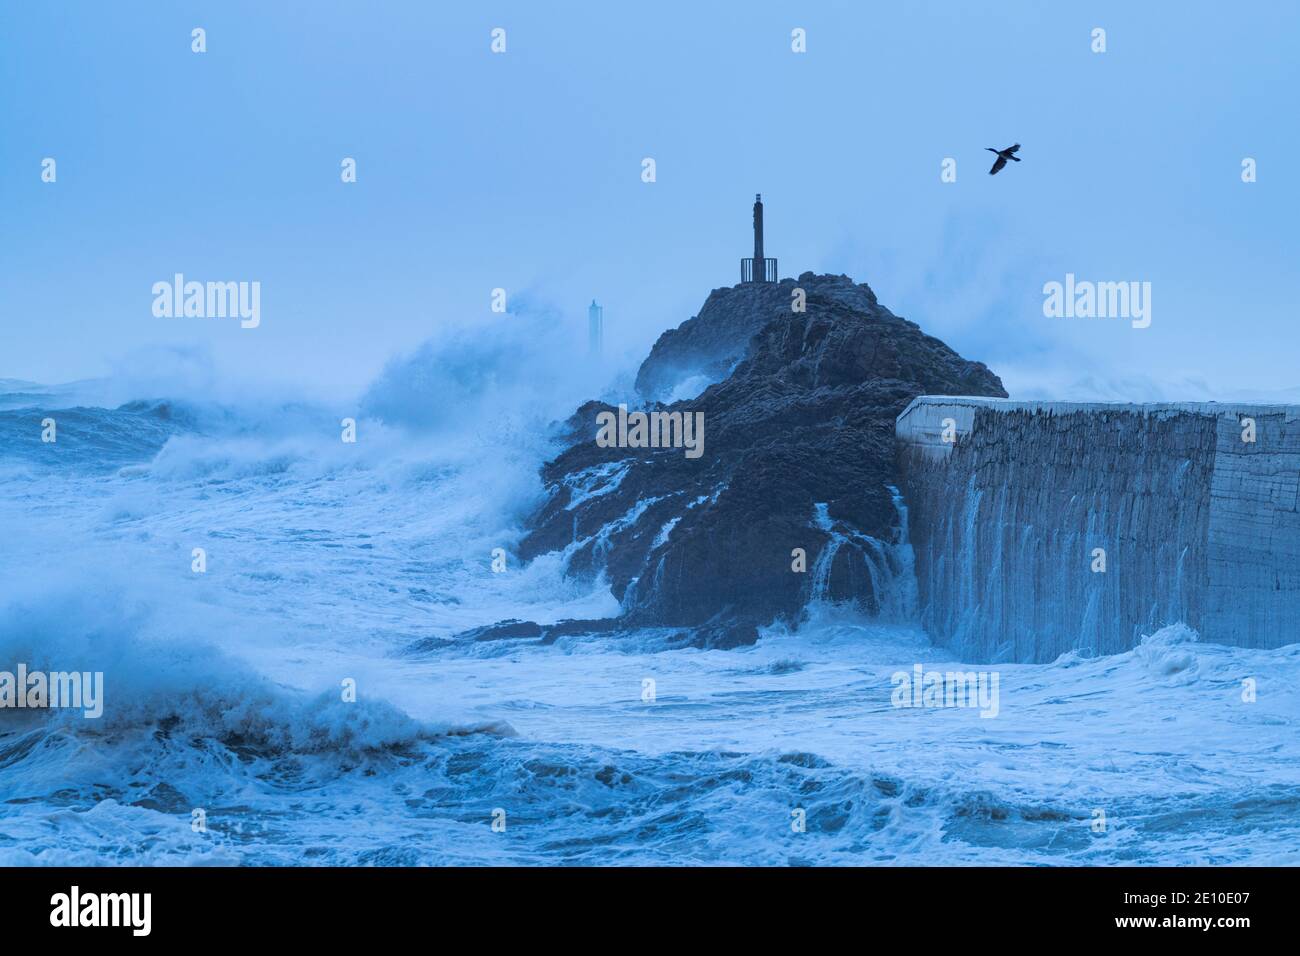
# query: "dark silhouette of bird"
1003,156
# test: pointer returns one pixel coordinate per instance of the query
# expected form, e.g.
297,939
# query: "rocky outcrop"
798,454
706,347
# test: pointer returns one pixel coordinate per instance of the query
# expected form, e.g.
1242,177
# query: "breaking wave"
230,735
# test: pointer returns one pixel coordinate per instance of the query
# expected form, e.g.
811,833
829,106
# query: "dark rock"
503,630
518,630
552,632
427,645
803,415
711,343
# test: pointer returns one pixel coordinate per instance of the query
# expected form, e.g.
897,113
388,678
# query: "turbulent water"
327,562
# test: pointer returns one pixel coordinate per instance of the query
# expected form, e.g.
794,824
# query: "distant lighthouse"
758,269
595,329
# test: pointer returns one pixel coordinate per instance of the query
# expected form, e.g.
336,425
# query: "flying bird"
1003,156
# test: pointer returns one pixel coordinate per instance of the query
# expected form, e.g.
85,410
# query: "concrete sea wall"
1009,503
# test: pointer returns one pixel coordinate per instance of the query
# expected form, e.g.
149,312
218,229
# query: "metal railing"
747,270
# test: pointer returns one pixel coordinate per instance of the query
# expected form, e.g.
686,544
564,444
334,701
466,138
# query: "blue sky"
522,170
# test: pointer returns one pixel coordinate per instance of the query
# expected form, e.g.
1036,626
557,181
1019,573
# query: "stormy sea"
306,692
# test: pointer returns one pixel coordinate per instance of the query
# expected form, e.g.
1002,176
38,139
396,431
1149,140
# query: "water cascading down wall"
1009,502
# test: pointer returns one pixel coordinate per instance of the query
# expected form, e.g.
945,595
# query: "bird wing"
998,164
1012,149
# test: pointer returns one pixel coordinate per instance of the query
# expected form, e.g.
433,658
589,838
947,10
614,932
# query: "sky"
522,170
